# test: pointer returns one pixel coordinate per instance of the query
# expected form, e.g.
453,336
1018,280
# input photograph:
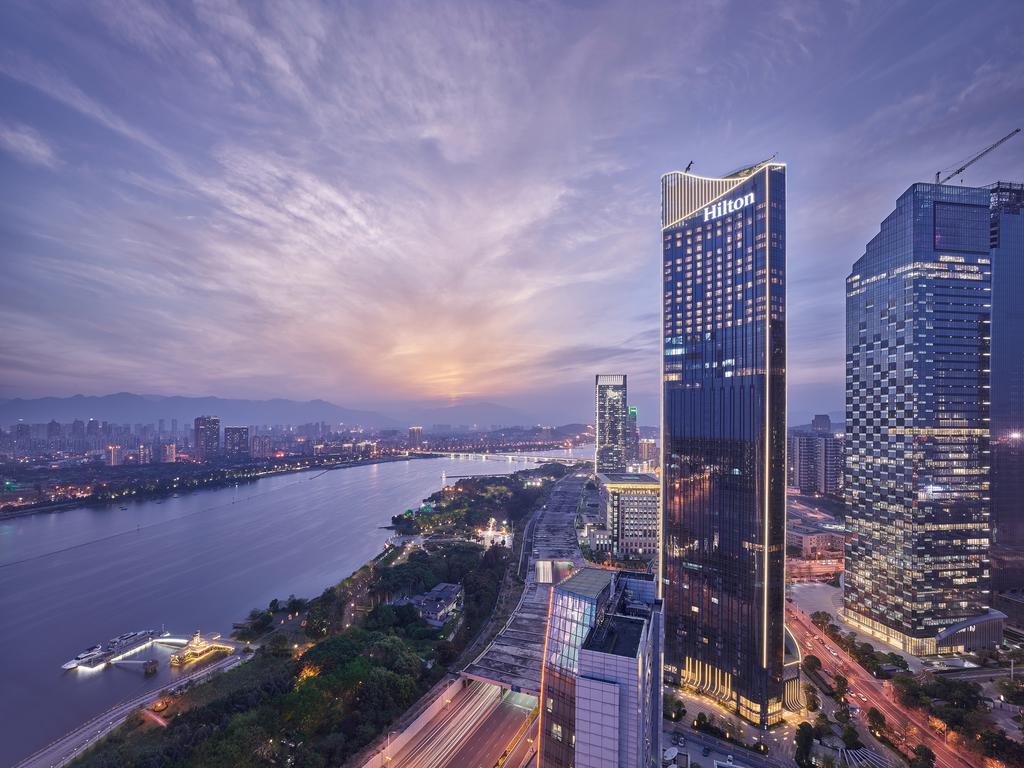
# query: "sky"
395,202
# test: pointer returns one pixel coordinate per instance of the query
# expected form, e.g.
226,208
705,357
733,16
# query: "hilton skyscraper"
918,313
724,436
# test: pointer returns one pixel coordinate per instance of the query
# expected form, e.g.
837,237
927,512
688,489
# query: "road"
473,730
63,750
864,684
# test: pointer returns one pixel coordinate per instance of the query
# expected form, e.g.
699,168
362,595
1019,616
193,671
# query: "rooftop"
587,582
630,478
618,635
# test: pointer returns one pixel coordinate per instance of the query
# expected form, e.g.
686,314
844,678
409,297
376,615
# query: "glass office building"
918,310
1007,243
724,436
610,424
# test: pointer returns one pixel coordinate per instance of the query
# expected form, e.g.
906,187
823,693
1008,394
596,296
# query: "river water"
72,579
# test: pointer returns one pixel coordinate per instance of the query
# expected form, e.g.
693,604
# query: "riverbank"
345,669
222,477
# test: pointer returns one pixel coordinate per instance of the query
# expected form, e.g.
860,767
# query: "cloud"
28,145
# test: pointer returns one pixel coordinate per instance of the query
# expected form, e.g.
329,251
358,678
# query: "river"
202,560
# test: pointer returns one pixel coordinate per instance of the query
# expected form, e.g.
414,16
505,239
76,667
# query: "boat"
87,655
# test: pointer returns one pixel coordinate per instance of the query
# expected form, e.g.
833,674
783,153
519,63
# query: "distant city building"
236,442
415,437
207,442
1007,425
648,453
169,454
814,542
632,437
816,463
630,503
724,433
262,447
601,695
114,455
610,430
917,426
821,423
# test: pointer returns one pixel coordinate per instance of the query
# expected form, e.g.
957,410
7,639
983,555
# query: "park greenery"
318,691
962,709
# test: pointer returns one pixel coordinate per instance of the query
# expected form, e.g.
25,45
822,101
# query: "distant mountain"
127,408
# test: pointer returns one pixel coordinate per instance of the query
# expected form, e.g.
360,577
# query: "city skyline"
116,195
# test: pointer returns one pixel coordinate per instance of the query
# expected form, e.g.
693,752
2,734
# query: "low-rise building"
438,605
631,504
814,542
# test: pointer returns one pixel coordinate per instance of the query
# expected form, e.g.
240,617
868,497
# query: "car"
862,697
706,751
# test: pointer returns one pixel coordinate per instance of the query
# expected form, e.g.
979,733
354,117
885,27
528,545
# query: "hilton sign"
712,212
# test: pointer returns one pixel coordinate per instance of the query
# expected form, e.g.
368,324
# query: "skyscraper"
236,442
917,425
1007,425
207,443
724,436
610,423
415,437
632,436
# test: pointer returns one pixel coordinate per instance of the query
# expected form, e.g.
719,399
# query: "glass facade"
573,612
917,419
610,424
1007,244
724,436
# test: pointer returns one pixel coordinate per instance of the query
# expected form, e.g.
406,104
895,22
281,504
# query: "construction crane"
976,158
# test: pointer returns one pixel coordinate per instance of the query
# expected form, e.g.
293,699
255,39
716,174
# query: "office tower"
821,423
1007,251
415,437
632,437
207,442
92,428
174,428
600,679
724,436
236,442
169,453
631,512
815,463
610,424
917,425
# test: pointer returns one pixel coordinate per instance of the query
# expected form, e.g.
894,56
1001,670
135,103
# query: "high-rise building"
600,679
815,463
415,437
1007,425
207,439
610,430
632,437
236,442
917,425
631,512
648,452
724,436
262,447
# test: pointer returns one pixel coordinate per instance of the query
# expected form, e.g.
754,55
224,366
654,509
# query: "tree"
811,698
923,757
876,720
822,726
850,737
811,663
841,685
898,661
804,739
821,619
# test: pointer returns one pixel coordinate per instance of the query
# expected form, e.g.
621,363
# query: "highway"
474,729
864,684
65,749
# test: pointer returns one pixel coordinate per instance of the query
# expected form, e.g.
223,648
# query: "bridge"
523,458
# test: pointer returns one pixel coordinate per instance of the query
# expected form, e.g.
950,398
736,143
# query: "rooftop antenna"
975,159
689,165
